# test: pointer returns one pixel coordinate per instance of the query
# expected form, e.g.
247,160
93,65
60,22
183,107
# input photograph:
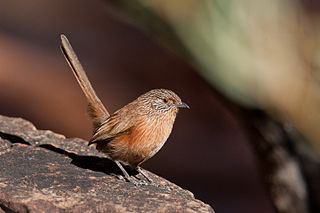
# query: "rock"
41,171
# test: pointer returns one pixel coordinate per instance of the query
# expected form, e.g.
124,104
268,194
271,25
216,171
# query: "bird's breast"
149,135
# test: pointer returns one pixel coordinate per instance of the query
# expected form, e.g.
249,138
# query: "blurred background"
216,55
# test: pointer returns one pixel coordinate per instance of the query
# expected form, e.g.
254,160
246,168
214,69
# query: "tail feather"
96,109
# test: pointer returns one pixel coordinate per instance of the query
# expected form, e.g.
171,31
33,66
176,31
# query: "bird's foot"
135,182
120,177
143,182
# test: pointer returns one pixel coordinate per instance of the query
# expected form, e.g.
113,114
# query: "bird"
134,133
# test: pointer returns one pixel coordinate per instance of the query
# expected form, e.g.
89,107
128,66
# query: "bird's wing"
114,126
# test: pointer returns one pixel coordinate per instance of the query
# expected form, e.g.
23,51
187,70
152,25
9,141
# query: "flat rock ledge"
41,171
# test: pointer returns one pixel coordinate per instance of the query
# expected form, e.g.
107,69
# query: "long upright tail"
96,110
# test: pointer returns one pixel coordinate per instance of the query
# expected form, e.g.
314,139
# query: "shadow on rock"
93,163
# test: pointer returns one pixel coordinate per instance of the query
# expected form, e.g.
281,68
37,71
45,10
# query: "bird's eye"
165,100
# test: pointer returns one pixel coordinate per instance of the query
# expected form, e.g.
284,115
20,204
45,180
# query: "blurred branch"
279,163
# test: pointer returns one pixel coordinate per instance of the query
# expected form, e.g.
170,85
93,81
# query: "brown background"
207,152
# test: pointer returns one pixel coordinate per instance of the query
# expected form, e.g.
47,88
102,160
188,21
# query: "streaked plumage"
134,133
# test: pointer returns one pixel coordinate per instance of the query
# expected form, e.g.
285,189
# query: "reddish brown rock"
41,171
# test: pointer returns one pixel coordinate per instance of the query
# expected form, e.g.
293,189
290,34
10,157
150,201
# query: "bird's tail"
96,110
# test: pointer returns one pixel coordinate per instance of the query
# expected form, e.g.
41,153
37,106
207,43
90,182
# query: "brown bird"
134,133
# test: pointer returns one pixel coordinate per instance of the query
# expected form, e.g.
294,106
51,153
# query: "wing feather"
112,128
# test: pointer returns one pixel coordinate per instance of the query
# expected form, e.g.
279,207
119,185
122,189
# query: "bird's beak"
182,105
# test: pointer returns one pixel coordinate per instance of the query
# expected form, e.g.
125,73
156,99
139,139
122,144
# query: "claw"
120,177
143,182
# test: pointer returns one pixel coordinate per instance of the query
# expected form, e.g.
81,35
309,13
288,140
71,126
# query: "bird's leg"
145,175
126,175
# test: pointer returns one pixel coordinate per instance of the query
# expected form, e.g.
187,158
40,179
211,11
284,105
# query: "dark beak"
182,105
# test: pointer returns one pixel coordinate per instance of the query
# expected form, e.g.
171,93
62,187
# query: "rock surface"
41,171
